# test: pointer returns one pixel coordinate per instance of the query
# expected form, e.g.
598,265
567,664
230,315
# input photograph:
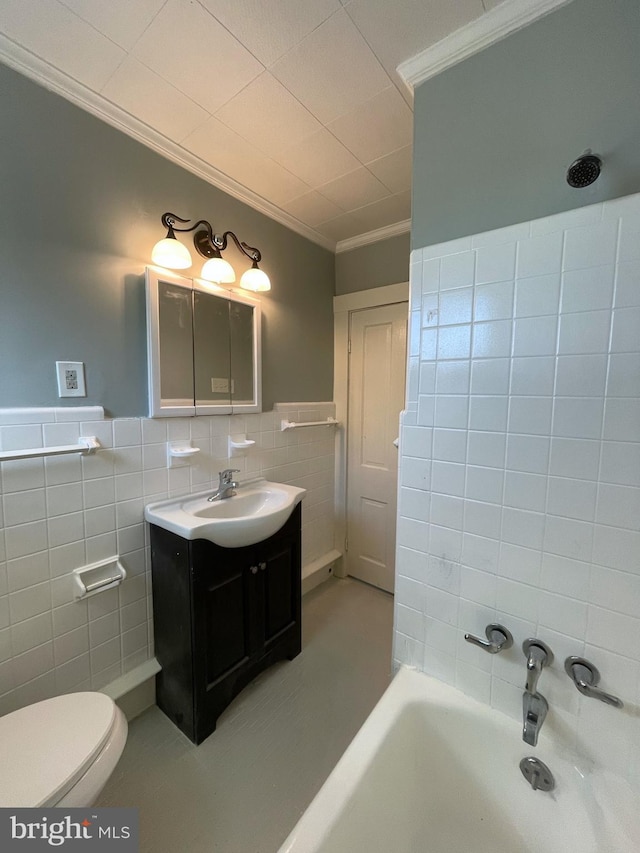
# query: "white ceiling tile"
120,20
332,70
218,145
267,114
143,94
395,208
61,38
394,170
318,159
354,190
341,227
269,29
312,208
410,26
270,180
194,52
382,124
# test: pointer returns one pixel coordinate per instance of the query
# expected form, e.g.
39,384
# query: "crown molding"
475,36
59,83
373,236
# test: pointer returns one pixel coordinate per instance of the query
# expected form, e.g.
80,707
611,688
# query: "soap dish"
179,452
238,444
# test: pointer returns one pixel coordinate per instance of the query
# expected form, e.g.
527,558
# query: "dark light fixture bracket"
169,220
208,244
252,253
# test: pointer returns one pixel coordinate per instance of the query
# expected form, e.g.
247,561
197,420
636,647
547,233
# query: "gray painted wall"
80,212
494,135
375,265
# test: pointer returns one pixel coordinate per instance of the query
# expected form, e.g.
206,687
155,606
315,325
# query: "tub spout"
534,668
534,711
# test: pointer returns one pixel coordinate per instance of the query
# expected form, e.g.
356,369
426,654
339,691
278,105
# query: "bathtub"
434,771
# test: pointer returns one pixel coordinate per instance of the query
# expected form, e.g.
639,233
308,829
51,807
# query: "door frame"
343,306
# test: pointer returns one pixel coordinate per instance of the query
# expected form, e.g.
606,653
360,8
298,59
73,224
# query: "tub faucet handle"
586,676
538,656
498,638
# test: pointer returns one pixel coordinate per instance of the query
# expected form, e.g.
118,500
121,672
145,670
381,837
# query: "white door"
378,339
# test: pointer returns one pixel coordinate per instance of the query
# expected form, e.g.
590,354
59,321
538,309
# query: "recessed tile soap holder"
98,577
238,444
179,453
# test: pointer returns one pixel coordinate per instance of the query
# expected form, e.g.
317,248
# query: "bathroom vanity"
221,616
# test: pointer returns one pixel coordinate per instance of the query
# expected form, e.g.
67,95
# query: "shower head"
584,170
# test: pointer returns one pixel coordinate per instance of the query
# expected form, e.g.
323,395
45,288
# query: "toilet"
60,752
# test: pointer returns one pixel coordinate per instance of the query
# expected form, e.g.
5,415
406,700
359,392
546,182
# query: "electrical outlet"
71,379
219,386
70,376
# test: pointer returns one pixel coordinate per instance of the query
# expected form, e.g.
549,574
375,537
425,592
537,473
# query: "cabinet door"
225,618
280,565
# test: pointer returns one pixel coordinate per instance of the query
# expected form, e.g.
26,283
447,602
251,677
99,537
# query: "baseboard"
137,701
135,691
318,571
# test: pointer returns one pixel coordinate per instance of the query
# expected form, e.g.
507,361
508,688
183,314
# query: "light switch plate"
70,376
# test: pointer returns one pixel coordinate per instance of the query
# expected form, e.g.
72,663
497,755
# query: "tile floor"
244,788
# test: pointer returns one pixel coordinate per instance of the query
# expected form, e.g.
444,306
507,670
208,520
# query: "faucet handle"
498,638
586,676
227,474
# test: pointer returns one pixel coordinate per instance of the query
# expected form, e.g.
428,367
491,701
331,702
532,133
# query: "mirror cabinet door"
169,344
211,352
241,323
227,357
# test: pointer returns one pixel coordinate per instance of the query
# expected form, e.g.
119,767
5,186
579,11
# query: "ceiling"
293,105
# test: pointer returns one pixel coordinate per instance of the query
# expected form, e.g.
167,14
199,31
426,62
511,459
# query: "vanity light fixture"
170,253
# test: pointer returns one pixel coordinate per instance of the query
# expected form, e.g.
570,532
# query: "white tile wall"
526,342
57,514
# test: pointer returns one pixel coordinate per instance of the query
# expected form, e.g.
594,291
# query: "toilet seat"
47,747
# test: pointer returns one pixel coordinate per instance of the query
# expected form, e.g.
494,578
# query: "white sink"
257,511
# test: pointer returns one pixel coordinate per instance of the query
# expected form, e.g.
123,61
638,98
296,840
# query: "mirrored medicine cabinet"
203,348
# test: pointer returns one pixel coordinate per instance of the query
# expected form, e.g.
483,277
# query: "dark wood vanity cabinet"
221,616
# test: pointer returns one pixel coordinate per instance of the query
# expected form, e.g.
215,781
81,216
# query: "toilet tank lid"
46,747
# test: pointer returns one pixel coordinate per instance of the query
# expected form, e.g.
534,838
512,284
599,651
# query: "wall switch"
70,379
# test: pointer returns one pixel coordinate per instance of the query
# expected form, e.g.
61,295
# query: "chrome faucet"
534,705
538,655
498,638
586,677
226,485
